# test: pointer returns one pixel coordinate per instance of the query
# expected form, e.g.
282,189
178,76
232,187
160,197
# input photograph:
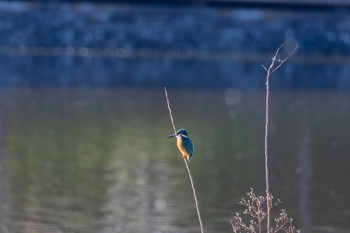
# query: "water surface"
97,160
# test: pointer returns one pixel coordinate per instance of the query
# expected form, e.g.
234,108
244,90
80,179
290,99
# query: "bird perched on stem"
184,143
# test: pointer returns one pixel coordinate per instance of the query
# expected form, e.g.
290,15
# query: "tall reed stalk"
187,167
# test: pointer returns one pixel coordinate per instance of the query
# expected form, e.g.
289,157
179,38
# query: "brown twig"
187,167
275,65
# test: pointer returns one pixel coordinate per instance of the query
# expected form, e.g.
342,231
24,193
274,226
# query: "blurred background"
83,116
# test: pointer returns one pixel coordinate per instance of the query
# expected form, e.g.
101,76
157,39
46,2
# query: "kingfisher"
184,143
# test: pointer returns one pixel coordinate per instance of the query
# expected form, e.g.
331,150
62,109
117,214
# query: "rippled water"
97,160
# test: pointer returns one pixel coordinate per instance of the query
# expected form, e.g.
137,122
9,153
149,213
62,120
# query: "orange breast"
180,146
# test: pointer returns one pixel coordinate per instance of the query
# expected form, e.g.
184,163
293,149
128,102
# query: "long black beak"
171,136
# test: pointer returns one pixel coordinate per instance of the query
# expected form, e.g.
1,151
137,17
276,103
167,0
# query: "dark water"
97,160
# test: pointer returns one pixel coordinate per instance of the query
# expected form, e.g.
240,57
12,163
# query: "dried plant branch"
239,225
187,167
284,223
274,65
254,208
255,215
255,205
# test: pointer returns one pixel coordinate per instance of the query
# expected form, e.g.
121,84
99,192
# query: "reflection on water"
97,160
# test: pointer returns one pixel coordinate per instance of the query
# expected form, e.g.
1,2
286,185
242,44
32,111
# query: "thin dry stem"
194,195
170,112
254,205
275,65
187,167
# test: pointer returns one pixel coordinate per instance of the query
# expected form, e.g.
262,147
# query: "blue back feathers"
186,141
